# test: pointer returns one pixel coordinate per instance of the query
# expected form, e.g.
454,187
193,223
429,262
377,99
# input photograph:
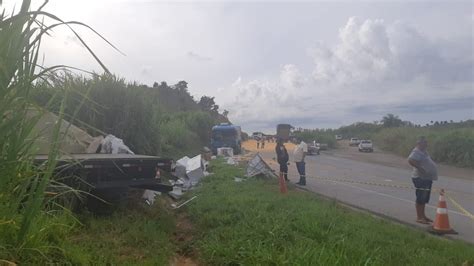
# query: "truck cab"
226,135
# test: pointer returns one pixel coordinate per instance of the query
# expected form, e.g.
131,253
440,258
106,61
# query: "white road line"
394,197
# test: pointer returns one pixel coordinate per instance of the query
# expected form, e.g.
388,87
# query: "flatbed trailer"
109,176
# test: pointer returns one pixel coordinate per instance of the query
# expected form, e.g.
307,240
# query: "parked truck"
226,135
84,166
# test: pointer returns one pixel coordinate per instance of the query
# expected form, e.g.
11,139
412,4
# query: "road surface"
397,203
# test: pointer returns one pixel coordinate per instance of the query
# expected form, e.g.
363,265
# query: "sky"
312,64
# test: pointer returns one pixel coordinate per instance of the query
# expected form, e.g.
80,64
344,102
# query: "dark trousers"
301,166
284,170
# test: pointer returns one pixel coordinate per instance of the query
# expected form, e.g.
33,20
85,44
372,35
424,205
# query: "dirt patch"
251,145
182,261
183,238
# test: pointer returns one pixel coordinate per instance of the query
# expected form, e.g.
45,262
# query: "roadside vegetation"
245,222
450,142
251,223
35,228
161,120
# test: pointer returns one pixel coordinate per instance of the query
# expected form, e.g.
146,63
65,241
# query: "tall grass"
453,146
24,222
136,113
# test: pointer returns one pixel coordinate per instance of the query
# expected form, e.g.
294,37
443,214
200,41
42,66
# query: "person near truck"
424,172
299,153
282,158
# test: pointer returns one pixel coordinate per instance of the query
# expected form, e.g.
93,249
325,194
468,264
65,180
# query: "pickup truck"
110,176
313,149
366,145
354,142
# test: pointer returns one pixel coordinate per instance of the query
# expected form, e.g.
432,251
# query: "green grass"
136,234
251,223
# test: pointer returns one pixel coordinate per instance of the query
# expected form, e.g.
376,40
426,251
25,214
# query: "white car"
366,145
338,137
354,142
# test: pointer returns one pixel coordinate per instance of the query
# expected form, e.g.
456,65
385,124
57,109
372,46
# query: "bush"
453,146
161,120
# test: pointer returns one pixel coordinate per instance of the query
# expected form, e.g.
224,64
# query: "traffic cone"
441,223
283,189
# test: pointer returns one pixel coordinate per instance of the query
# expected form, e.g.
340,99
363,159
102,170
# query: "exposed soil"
183,238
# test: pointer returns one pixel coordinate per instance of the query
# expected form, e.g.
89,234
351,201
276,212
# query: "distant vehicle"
226,135
338,137
322,146
366,145
354,142
313,149
257,135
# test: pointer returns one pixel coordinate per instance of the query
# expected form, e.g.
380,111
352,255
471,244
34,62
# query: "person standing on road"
262,145
299,153
424,172
258,143
282,158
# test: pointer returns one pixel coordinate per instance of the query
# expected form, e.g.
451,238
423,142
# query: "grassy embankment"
452,144
251,223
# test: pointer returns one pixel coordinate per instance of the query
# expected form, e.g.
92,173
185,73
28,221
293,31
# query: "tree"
208,104
391,120
181,86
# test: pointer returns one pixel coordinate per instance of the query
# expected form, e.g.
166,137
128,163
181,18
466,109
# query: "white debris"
176,193
238,179
194,170
258,166
231,161
225,151
150,195
177,206
113,145
181,165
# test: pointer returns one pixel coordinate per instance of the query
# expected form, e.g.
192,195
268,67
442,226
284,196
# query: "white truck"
354,142
366,145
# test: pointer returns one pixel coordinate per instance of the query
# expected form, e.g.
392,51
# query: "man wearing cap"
424,172
299,153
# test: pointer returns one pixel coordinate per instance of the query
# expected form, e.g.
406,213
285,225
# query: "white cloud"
374,66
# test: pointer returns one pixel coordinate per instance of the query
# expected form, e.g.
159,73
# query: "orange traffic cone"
283,189
441,223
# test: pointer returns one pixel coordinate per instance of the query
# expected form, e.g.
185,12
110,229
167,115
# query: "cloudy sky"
311,64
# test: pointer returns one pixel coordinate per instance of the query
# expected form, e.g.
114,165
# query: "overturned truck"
105,168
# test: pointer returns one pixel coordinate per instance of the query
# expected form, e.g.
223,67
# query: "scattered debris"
149,196
176,193
231,161
195,170
180,169
206,154
238,179
257,166
225,151
113,145
175,206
